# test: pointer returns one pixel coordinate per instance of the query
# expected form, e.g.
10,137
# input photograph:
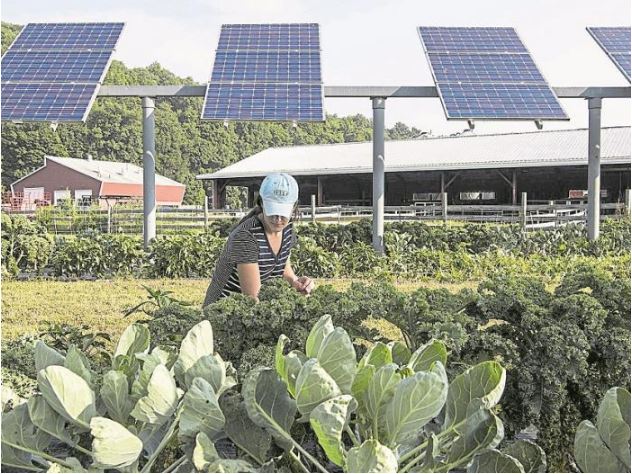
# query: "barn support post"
514,187
149,171
594,167
627,202
523,212
319,191
215,194
378,174
205,213
221,194
313,208
444,207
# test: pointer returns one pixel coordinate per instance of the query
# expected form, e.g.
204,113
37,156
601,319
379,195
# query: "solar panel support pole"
594,167
378,174
149,171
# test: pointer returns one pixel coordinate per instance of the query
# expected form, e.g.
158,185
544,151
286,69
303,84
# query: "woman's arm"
249,279
288,273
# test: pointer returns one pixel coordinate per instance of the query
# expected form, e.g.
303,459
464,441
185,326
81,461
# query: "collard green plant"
146,400
389,411
605,447
375,415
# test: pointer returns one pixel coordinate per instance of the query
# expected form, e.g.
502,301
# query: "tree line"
185,145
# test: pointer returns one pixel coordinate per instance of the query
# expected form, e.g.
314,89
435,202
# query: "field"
102,303
458,330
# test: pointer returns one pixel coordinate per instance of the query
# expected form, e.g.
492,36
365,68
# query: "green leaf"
317,335
485,381
416,401
161,400
371,456
113,446
48,420
45,356
612,427
378,356
531,456
17,428
279,358
313,386
426,355
68,394
293,364
231,465
361,383
591,453
243,432
201,411
482,430
328,421
115,396
196,344
337,356
74,462
379,393
268,404
133,340
79,364
204,453
15,458
493,460
209,367
401,353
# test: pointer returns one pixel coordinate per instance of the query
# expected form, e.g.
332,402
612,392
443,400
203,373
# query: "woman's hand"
303,285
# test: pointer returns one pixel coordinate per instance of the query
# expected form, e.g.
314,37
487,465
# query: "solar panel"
295,36
52,71
439,39
270,66
615,41
47,102
266,72
54,66
69,36
487,73
267,101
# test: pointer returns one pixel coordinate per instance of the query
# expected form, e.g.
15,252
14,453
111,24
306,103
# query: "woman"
258,248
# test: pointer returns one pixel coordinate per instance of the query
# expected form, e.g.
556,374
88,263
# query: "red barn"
85,181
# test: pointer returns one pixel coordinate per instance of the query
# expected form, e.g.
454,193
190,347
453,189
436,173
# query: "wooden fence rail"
130,220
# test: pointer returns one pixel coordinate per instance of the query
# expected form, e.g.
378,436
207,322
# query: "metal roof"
511,150
110,171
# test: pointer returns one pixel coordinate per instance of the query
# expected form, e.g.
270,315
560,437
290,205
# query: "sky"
366,43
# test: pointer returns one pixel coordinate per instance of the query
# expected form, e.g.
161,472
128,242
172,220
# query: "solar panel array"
487,73
615,41
266,72
52,71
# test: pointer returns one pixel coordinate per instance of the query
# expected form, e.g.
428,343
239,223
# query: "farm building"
472,169
84,181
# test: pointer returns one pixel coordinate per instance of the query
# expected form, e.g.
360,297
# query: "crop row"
414,251
561,350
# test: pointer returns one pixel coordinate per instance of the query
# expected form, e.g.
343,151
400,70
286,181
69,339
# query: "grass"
100,304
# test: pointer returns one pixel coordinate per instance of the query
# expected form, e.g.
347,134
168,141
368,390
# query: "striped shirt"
247,243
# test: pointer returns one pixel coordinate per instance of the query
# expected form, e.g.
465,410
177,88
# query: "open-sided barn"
494,169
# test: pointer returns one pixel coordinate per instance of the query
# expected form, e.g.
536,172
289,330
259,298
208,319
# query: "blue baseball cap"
279,193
